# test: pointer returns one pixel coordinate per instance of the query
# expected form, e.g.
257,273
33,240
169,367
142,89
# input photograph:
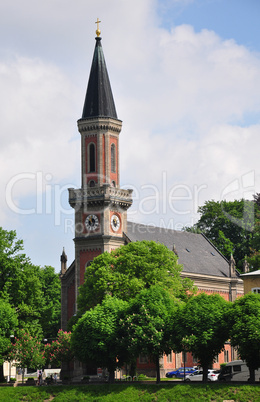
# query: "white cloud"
37,130
190,118
188,100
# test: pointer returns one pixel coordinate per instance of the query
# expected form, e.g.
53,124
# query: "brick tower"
100,205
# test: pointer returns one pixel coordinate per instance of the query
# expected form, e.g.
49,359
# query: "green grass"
127,392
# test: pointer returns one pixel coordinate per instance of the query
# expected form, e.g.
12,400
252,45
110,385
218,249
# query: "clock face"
91,222
115,223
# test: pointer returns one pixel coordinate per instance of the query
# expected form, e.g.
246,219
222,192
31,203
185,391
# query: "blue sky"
185,79
237,19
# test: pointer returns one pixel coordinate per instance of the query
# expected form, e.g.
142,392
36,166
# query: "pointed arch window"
92,157
113,158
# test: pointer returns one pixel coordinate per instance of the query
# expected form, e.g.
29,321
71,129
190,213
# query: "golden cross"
98,32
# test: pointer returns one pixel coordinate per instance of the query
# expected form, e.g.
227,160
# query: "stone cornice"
99,123
99,196
216,283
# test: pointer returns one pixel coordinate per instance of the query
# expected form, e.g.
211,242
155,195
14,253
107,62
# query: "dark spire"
63,260
99,100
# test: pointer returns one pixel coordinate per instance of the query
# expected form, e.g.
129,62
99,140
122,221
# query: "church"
101,214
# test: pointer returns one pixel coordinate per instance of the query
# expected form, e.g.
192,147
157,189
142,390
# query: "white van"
236,370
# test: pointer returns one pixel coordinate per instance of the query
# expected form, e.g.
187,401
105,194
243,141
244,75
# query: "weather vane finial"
98,32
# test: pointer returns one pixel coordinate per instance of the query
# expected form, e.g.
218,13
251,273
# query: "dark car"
179,373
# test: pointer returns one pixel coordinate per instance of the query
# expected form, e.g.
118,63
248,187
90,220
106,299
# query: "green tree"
59,351
244,320
254,258
27,351
50,310
95,338
129,269
229,226
8,324
200,328
33,291
146,328
11,261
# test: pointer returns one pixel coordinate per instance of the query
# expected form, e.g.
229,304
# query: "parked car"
237,370
198,375
179,373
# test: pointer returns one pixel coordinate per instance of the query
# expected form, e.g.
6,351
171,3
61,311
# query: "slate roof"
195,252
99,101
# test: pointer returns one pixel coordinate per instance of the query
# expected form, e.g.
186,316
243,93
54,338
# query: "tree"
59,351
51,303
129,269
8,324
146,327
254,258
200,328
33,291
229,226
27,351
244,320
95,337
11,261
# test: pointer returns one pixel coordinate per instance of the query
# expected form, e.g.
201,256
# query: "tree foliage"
245,330
26,351
200,328
33,291
95,338
59,350
128,270
254,258
146,328
229,225
8,324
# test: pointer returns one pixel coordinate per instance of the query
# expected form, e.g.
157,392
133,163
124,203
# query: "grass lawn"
127,392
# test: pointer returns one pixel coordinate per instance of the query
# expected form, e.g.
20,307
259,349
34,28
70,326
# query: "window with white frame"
169,358
226,356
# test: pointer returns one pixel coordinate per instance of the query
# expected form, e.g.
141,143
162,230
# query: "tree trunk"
205,373
157,370
252,375
111,377
132,370
1,372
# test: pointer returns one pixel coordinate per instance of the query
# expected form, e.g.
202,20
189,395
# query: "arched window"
92,158
255,290
92,183
113,158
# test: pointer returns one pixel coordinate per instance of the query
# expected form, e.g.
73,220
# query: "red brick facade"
71,299
86,256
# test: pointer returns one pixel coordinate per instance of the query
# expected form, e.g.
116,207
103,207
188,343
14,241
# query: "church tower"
100,204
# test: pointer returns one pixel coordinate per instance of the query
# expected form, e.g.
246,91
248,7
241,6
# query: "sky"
185,79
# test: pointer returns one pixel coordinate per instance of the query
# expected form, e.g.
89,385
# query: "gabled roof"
195,252
99,100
